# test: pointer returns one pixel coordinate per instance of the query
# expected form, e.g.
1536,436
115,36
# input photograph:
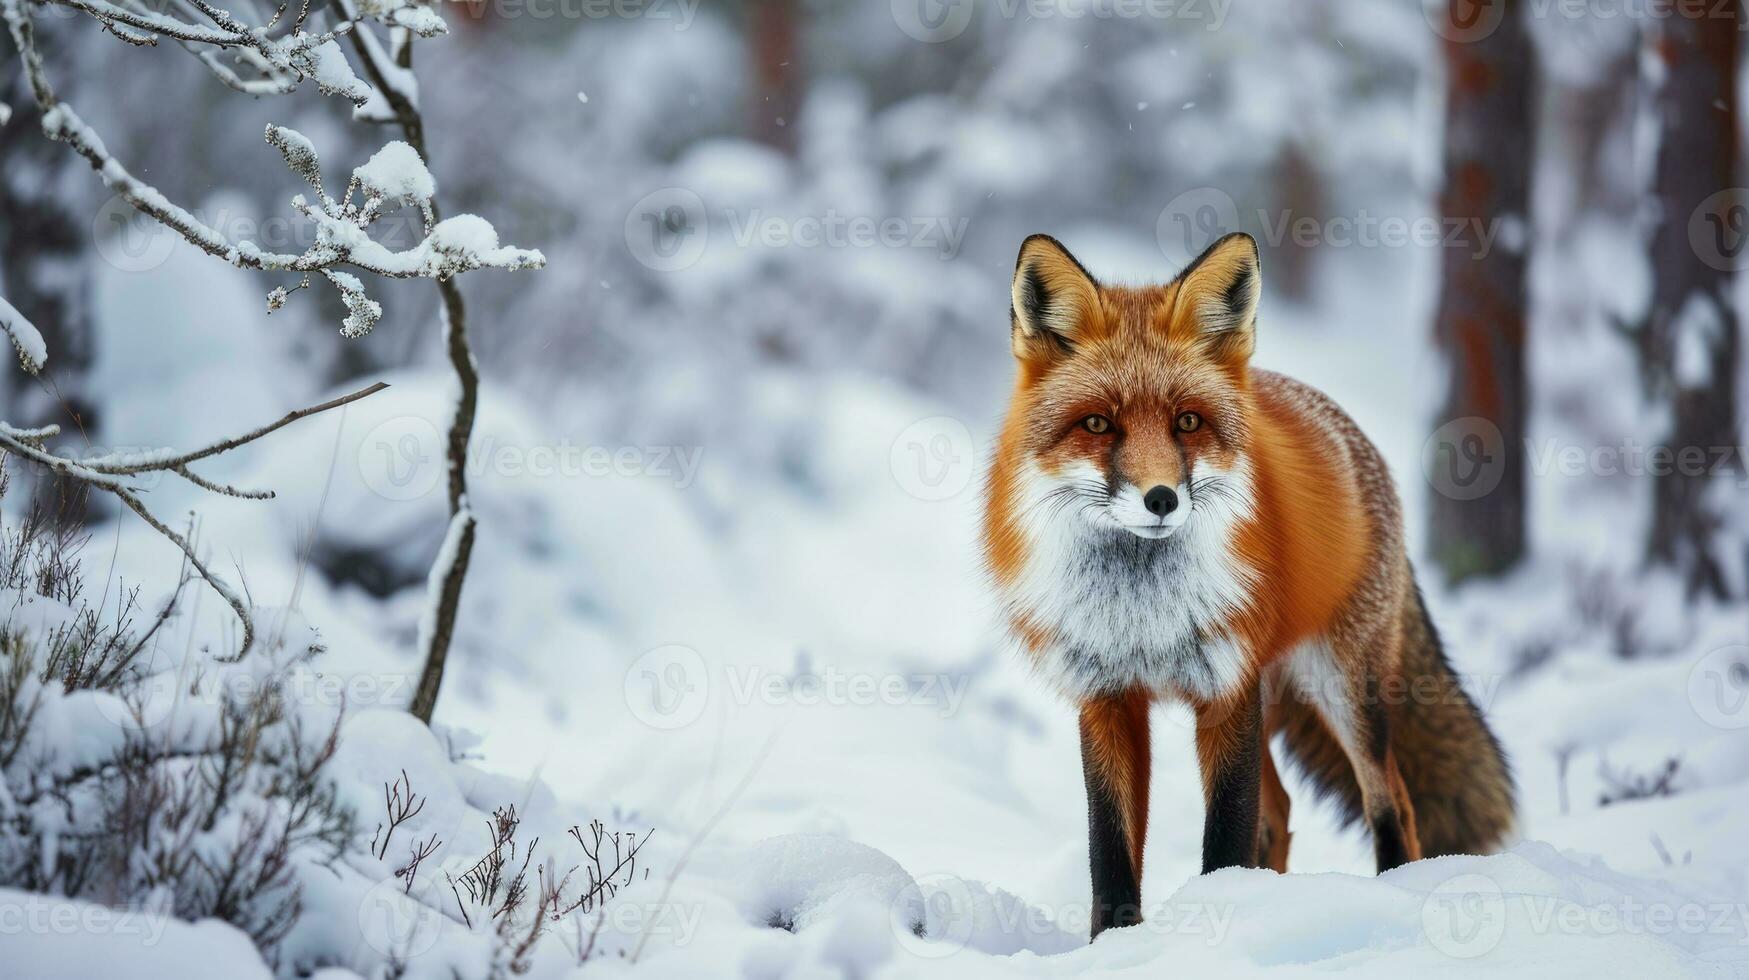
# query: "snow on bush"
181,788
146,780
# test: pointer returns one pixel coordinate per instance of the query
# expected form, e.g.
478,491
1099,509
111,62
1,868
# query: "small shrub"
203,812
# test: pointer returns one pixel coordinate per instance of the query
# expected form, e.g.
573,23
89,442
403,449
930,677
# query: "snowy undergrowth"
171,811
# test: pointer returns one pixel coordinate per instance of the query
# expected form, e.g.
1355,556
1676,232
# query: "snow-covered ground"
777,658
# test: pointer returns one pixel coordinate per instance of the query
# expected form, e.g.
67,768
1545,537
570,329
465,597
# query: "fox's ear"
1220,290
1052,297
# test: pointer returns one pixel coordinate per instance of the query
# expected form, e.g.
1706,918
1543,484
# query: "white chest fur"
1124,611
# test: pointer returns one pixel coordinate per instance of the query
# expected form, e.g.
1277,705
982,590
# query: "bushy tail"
1457,776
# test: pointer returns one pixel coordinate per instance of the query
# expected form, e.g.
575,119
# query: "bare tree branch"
108,473
121,466
450,247
342,240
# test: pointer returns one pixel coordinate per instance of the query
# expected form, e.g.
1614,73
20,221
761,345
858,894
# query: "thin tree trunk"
451,568
1299,190
1478,509
450,571
774,28
1690,342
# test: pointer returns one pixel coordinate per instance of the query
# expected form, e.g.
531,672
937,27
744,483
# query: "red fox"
1162,520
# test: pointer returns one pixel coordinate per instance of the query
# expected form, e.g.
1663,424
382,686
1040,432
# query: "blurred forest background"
1598,143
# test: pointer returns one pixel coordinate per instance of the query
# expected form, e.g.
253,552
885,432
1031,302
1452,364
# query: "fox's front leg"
1114,761
1229,745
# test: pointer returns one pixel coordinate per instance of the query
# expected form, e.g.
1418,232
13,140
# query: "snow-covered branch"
32,352
395,176
282,61
109,473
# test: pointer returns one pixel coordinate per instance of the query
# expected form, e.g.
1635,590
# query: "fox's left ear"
1053,300
1221,289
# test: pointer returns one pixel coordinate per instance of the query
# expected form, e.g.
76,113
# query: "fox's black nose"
1160,501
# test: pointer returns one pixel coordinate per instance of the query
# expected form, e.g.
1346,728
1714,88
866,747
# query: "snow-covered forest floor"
788,677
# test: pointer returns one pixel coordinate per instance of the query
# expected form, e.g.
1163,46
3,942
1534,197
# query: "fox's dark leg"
1395,841
1361,722
1389,813
1229,744
1272,833
1114,761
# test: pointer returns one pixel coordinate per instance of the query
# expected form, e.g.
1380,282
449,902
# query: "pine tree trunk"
1478,464
1690,342
774,30
1299,192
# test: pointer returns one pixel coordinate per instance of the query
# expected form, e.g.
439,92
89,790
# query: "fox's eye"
1189,422
1096,424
